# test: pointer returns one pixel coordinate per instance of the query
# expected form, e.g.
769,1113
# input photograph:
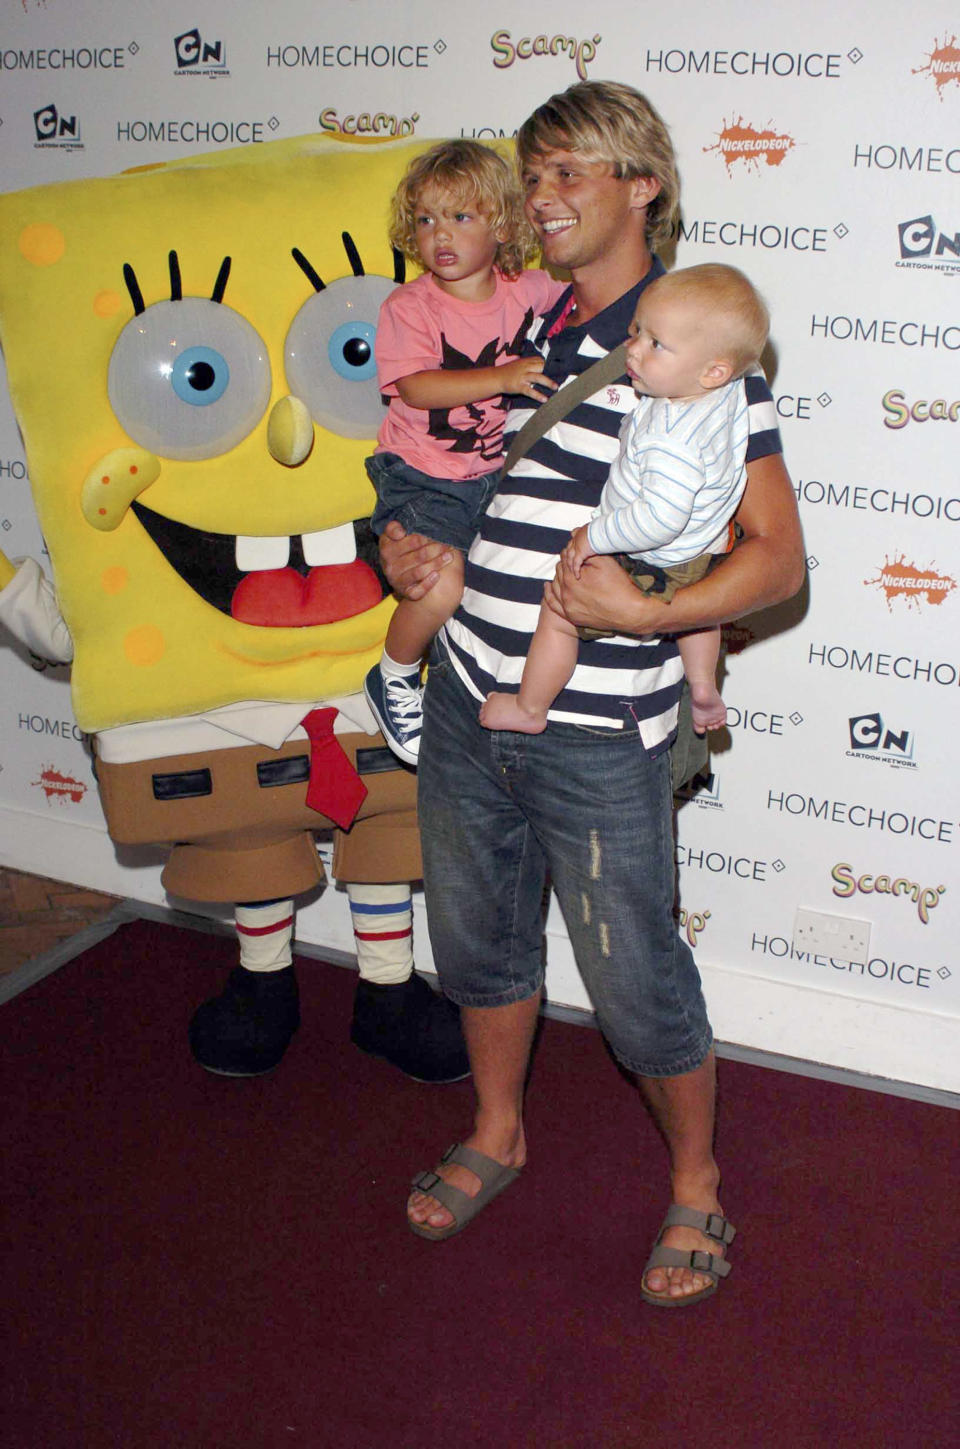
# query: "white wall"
819,150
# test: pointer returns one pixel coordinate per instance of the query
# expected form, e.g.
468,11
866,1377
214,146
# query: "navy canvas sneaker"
398,707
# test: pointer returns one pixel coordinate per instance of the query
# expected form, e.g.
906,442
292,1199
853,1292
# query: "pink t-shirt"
422,328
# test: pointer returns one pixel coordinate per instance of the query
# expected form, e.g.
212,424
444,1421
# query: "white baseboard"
747,1010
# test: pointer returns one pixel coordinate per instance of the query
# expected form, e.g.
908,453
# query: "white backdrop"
819,149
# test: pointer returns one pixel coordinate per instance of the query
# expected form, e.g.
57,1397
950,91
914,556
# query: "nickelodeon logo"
739,141
943,64
901,580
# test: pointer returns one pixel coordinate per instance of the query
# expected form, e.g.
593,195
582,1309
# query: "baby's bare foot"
505,712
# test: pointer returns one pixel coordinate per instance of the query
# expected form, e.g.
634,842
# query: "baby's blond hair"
730,308
472,173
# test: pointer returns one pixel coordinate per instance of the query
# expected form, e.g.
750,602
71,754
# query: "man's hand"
603,597
578,550
411,562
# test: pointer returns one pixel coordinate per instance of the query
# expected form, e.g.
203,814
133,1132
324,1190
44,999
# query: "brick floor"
36,914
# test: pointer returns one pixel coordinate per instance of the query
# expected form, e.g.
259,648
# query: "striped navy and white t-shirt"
619,681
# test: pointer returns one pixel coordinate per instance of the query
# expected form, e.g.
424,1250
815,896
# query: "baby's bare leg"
699,652
550,663
415,621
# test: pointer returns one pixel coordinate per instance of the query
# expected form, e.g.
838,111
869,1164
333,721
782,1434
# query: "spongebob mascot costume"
190,356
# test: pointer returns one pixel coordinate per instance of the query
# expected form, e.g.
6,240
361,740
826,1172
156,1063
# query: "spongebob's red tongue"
284,599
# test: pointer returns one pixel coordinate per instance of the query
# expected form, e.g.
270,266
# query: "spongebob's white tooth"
262,553
330,546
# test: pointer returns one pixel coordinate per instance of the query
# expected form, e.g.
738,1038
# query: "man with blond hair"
586,803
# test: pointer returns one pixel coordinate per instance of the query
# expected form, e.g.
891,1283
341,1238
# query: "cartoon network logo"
924,246
196,56
368,123
739,140
872,739
943,64
704,788
898,579
506,51
56,131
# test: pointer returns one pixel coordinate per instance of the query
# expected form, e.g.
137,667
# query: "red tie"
335,789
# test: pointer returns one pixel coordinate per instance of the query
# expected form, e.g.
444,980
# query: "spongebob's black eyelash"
176,283
353,257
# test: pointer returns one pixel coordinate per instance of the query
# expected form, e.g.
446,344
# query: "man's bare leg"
683,1109
498,1043
550,663
700,651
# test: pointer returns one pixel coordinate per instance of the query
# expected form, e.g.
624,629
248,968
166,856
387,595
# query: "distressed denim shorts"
446,509
501,813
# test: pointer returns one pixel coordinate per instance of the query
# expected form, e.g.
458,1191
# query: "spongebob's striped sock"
383,929
265,933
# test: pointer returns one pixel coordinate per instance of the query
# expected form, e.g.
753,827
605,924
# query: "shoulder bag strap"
559,404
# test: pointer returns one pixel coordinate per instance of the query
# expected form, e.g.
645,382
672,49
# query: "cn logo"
868,732
51,126
193,50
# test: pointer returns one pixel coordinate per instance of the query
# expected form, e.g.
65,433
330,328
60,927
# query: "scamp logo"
692,924
740,141
368,123
60,787
899,412
943,64
506,51
901,580
925,898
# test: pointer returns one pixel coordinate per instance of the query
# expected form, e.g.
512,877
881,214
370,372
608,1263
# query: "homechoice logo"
887,332
740,140
862,499
56,132
924,247
751,64
871,739
196,56
761,236
353,57
82,57
861,816
882,665
899,973
887,157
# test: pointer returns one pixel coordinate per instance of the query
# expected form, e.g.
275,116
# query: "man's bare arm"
766,567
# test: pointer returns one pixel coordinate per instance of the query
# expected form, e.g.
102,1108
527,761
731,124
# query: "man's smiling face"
577,207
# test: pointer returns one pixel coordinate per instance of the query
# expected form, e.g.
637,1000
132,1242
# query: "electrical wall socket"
840,937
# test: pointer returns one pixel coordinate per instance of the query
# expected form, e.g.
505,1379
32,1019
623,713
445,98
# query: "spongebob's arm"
29,609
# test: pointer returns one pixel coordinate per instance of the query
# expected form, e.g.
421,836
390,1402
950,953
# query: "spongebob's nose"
290,431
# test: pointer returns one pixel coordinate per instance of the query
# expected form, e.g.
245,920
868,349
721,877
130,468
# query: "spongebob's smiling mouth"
298,581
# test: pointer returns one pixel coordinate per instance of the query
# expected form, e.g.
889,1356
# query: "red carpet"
204,1263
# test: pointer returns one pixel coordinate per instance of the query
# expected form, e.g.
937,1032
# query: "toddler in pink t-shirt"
448,352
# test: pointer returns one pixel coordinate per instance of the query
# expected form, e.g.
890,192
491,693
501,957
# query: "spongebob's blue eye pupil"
350,350
200,376
356,352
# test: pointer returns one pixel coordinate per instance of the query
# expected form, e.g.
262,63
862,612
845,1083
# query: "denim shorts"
447,509
501,813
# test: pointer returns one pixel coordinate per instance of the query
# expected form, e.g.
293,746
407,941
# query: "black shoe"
412,1028
245,1031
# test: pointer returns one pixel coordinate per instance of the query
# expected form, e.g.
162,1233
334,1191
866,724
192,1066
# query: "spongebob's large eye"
189,379
329,355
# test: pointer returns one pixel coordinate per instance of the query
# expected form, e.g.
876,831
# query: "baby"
668,503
